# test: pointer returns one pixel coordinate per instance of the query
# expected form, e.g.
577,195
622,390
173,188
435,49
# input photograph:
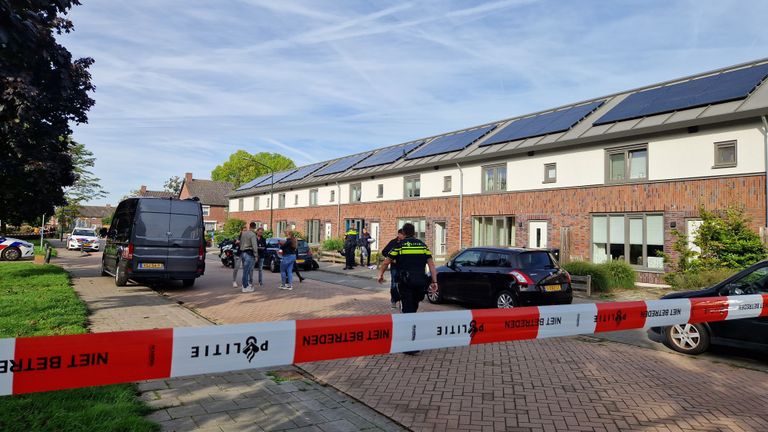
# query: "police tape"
44,363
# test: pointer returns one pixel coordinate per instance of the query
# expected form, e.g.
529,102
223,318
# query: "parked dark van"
155,238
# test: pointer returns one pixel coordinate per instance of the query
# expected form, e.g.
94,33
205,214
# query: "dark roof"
156,194
210,192
95,211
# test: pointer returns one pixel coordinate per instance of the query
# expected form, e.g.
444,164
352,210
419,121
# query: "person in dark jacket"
350,243
394,296
365,248
261,244
289,249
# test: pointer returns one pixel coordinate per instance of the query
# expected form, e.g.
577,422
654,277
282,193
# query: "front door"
375,230
537,234
328,231
440,239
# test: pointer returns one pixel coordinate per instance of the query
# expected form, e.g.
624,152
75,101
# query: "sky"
182,84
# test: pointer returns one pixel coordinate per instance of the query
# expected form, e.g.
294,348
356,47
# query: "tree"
42,90
242,167
85,188
173,185
726,241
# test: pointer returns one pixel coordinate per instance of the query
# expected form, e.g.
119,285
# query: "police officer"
411,255
350,243
394,295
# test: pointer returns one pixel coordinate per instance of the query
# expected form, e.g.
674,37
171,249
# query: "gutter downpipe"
338,208
765,139
461,204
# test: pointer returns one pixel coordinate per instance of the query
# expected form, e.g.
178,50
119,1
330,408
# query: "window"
447,183
256,203
493,231
357,224
725,154
635,238
496,259
268,203
380,191
412,187
495,178
313,197
627,164
281,200
240,204
210,226
313,231
206,210
470,258
534,260
420,225
333,196
282,226
296,199
355,192
550,173
755,282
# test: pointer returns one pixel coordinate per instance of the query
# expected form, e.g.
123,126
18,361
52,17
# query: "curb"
342,273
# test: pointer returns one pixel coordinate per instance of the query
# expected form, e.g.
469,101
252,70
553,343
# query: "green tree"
173,185
242,167
86,187
727,241
232,227
43,90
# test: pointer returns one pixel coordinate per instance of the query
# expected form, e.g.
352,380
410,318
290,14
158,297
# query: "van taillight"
522,278
201,253
128,252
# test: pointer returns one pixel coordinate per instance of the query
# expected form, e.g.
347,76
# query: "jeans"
394,295
286,269
260,268
238,265
248,261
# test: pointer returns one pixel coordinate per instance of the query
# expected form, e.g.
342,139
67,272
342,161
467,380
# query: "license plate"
151,266
299,261
87,244
551,288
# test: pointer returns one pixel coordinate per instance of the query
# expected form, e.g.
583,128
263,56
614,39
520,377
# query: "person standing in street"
350,243
289,250
394,296
261,248
249,255
365,248
412,255
238,259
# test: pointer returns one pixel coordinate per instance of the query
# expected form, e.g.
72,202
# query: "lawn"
41,251
37,300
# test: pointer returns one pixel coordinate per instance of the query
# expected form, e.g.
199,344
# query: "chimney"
187,177
143,190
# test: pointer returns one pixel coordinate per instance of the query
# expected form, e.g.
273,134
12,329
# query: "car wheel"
121,278
434,295
505,300
11,254
103,269
188,282
273,266
687,338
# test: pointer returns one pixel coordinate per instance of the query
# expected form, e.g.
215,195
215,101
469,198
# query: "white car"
12,249
83,237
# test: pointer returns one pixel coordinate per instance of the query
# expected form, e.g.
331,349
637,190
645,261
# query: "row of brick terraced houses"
605,178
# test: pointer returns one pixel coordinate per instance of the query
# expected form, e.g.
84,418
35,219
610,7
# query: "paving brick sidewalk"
254,400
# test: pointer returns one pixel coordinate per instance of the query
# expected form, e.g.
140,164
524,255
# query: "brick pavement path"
559,384
253,400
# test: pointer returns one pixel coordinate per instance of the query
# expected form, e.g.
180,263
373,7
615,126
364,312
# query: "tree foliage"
43,90
173,185
232,227
242,167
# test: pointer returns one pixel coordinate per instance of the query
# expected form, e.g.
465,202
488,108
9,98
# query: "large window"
420,226
412,187
627,164
493,231
725,154
635,238
313,231
495,178
355,192
281,200
313,197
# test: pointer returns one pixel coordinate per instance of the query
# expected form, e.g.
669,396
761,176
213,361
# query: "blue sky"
183,84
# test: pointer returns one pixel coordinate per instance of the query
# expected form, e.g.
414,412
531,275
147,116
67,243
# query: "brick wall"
569,207
219,214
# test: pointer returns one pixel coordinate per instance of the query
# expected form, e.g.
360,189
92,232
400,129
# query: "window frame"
547,178
281,200
412,179
417,224
480,230
380,190
626,150
295,199
626,234
240,204
313,197
333,196
206,210
496,178
355,187
313,236
723,144
447,183
256,205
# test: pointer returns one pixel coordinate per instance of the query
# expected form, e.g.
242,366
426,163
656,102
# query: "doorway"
537,234
375,235
440,239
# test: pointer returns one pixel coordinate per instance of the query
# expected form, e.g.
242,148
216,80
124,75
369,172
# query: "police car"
12,249
83,237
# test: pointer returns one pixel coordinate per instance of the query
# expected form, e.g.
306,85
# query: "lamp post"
271,194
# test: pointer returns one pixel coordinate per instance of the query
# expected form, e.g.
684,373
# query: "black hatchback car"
750,333
502,278
272,258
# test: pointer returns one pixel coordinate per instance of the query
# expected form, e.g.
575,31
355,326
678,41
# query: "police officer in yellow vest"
350,243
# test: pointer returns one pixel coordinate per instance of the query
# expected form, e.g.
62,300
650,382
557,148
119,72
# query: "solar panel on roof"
278,177
254,182
343,164
450,143
724,87
389,155
303,172
543,124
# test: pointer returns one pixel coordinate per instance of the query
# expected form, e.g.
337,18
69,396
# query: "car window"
84,232
185,227
755,282
470,258
152,225
534,260
495,259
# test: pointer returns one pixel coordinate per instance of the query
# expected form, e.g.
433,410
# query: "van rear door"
186,236
150,239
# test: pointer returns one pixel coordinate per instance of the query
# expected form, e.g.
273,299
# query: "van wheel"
273,267
188,282
121,278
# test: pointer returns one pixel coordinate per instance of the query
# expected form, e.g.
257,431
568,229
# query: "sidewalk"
252,400
359,271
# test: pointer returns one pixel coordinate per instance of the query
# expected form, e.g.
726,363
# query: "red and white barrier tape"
35,364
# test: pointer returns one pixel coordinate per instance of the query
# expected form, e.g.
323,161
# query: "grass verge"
37,300
41,250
